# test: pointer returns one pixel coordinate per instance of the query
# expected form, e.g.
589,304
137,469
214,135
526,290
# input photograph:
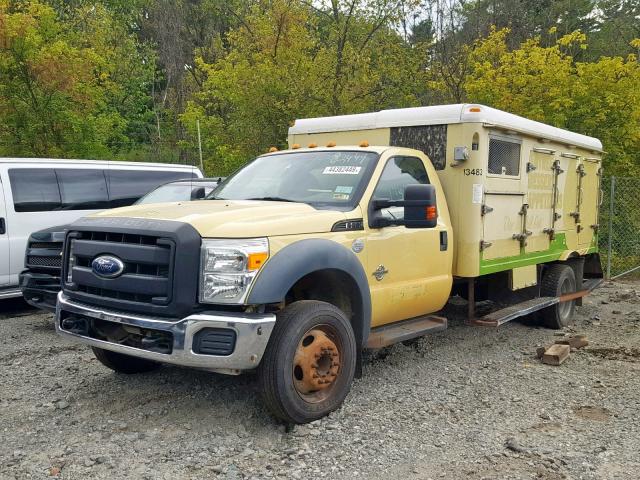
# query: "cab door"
4,239
409,269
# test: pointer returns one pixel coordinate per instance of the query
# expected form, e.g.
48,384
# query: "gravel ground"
469,402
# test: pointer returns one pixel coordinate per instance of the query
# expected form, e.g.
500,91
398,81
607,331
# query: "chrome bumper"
252,334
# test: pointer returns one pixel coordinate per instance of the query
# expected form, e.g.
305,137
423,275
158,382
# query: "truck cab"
331,242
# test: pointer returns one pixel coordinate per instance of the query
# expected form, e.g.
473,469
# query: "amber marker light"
431,213
331,144
312,145
295,146
364,144
256,260
475,109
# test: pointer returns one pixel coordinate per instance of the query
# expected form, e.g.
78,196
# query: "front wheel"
310,361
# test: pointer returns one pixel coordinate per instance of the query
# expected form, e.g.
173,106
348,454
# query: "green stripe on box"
557,247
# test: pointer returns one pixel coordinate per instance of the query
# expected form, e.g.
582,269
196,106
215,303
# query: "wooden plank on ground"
556,354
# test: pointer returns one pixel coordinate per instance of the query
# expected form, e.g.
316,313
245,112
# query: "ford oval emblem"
107,266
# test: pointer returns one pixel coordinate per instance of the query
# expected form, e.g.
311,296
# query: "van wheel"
123,363
309,364
558,280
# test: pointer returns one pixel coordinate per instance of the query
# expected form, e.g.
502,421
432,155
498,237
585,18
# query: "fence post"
612,193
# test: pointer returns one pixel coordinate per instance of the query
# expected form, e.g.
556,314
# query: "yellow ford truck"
354,238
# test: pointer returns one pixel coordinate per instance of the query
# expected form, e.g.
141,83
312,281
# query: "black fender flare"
303,257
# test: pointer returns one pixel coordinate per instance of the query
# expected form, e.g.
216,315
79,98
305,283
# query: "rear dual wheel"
310,361
558,280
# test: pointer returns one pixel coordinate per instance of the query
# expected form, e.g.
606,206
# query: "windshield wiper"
273,199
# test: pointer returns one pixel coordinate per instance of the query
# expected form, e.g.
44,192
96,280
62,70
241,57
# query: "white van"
36,193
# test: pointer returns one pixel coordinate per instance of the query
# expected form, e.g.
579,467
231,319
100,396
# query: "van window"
504,157
82,189
34,189
397,174
126,186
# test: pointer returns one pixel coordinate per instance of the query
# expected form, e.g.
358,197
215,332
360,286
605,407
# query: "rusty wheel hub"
316,363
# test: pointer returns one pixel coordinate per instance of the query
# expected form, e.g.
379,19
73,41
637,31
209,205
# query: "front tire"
310,361
558,280
121,363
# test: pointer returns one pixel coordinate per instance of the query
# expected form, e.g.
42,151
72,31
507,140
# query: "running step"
405,330
497,318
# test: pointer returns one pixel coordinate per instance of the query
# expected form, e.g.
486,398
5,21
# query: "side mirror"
197,193
420,209
419,204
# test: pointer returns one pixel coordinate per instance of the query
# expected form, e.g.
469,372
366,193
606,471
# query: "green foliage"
600,99
130,79
288,60
74,88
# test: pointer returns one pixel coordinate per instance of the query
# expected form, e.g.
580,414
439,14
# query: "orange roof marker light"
273,149
331,144
364,144
295,146
313,145
475,109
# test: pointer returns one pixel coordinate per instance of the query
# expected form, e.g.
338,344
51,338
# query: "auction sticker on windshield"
341,170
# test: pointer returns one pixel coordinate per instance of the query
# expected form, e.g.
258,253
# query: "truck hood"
237,218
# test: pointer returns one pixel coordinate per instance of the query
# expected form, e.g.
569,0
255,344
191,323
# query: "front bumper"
252,332
40,289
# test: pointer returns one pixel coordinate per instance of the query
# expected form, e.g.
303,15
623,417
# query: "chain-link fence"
619,238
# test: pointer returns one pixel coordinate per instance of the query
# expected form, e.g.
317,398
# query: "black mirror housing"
420,209
419,204
197,193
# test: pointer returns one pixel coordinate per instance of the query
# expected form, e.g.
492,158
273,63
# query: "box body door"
501,223
589,202
540,198
567,200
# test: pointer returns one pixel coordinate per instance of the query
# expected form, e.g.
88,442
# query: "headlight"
228,267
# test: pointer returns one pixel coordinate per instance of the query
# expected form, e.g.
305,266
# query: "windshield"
319,178
175,192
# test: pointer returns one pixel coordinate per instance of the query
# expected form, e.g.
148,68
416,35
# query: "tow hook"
158,344
76,325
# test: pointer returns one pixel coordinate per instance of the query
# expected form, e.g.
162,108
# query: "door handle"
3,227
444,241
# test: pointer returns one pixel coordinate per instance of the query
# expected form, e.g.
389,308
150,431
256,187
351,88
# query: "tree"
619,25
601,99
367,60
73,88
288,60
